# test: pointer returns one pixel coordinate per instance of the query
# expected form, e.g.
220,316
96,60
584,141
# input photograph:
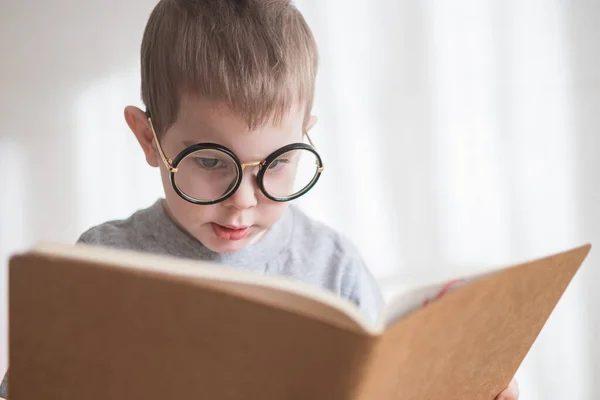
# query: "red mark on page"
443,291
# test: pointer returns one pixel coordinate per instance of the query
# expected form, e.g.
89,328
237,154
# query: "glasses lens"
291,173
206,175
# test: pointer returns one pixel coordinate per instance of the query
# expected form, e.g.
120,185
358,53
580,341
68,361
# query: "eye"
279,163
210,163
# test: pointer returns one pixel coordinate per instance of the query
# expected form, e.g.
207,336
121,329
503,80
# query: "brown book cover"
94,323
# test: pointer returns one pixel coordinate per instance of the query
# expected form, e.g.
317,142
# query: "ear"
139,125
312,120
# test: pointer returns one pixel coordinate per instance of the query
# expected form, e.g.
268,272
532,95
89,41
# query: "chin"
225,246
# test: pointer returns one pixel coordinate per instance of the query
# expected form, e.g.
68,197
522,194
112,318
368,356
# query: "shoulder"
116,233
315,239
129,233
342,261
3,386
316,235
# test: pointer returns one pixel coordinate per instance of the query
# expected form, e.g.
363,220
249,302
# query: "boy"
228,88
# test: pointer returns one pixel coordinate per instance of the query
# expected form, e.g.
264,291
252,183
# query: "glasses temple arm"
167,161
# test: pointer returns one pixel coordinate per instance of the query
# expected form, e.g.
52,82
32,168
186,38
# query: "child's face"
245,216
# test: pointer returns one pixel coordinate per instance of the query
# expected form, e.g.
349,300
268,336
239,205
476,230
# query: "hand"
510,393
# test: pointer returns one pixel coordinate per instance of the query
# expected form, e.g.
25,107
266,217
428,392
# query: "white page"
412,299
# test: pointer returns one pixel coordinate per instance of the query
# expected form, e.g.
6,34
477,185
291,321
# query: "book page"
414,298
410,300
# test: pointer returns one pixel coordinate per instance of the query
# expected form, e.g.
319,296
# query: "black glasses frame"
263,165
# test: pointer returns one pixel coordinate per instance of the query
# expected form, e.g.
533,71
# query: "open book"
96,323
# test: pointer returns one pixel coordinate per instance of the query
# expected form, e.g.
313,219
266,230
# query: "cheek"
189,216
166,180
271,212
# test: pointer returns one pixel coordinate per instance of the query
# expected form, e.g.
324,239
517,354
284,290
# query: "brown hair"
258,56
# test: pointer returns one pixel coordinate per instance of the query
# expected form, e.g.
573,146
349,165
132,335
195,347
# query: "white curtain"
457,135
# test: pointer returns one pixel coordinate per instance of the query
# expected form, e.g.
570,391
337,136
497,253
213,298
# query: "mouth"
230,232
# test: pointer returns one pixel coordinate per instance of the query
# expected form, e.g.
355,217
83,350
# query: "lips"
230,232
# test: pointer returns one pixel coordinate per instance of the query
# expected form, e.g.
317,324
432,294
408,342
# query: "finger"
511,392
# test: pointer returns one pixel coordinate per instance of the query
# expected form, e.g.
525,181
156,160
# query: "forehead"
202,120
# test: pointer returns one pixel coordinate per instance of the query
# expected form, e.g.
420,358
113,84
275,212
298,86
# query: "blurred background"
458,136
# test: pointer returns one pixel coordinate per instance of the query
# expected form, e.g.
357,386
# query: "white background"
457,135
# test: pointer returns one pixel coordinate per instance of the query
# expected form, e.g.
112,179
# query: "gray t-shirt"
297,247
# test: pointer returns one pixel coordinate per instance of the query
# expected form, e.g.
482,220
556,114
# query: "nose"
246,194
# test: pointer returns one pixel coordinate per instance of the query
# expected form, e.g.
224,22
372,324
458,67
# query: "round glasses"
208,173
